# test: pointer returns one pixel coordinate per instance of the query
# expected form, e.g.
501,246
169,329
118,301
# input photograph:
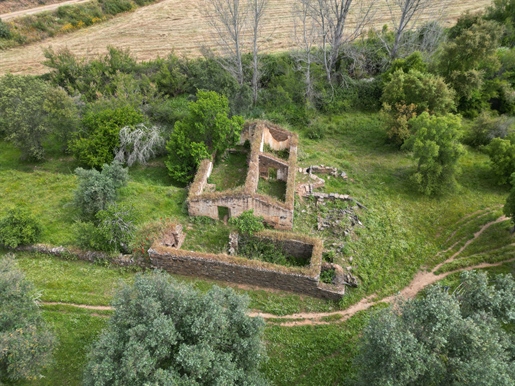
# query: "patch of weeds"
230,170
327,276
283,154
273,188
265,250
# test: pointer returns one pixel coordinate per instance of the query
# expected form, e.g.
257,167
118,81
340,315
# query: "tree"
502,158
97,190
139,144
22,117
205,130
436,147
443,338
19,227
404,15
100,138
406,95
166,333
466,58
25,341
332,17
503,11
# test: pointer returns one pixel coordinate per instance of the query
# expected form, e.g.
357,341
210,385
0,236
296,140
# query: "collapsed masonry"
261,136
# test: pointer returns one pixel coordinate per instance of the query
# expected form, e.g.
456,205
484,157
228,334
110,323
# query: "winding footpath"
421,280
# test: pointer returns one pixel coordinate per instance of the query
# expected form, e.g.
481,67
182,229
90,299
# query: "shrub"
5,31
96,190
247,223
26,343
487,127
436,147
111,231
502,158
166,333
113,7
19,227
101,135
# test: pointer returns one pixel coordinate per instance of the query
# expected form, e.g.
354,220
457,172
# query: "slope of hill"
177,25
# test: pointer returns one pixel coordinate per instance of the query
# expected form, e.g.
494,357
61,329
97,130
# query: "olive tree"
25,341
166,333
443,339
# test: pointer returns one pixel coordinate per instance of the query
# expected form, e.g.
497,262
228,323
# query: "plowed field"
177,25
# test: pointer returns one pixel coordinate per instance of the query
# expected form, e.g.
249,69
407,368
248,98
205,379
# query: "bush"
111,231
436,147
5,31
113,7
487,127
19,227
101,135
26,343
166,333
247,223
502,158
139,144
96,190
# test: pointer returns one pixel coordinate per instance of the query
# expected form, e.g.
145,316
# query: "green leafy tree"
247,223
446,339
97,190
466,61
25,341
22,117
19,227
437,149
205,130
503,11
100,138
502,158
407,95
166,333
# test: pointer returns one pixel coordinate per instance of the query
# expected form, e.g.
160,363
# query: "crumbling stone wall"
276,213
303,280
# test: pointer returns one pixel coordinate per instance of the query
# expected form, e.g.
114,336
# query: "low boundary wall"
303,280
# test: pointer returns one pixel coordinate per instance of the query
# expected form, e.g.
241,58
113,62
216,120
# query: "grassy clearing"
272,187
402,230
230,171
313,355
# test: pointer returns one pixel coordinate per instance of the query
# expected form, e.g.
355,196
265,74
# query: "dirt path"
32,11
420,281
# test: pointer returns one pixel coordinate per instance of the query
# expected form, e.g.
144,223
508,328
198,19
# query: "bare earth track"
173,25
19,10
421,280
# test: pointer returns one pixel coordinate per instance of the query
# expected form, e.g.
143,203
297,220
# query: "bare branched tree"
333,18
306,35
258,8
229,19
405,15
139,144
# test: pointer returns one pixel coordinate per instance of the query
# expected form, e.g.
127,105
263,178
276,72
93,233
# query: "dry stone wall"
251,272
276,213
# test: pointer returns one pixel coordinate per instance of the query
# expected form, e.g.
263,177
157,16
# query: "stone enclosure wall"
275,212
303,280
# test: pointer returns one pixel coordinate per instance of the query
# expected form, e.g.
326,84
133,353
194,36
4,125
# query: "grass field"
176,25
